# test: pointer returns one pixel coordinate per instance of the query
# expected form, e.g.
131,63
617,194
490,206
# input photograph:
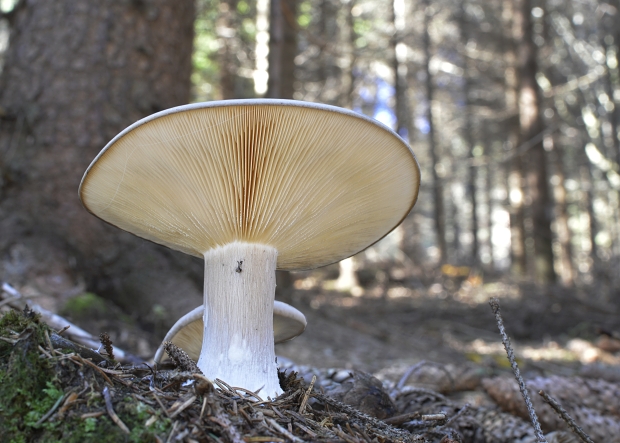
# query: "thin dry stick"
393,432
95,367
174,428
400,419
494,302
111,413
51,411
204,405
224,386
408,373
186,404
282,431
454,417
344,436
306,430
49,342
250,393
47,354
567,418
161,405
63,330
302,407
228,429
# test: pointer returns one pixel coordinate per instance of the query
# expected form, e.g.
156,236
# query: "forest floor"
388,326
387,329
392,328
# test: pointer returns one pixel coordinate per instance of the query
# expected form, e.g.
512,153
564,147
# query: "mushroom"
253,186
187,332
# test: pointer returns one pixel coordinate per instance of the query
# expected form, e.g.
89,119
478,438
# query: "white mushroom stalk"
237,344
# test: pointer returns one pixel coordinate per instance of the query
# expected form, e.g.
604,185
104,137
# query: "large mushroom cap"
317,183
187,332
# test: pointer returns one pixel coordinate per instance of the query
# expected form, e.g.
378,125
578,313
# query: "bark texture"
531,129
439,214
76,74
514,183
282,48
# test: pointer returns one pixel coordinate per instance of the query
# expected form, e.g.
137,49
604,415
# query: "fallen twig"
282,431
77,334
494,302
564,415
176,409
49,413
351,411
306,430
302,407
111,413
174,428
400,419
94,366
228,428
60,331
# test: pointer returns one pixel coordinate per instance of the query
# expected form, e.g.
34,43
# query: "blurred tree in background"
511,107
74,75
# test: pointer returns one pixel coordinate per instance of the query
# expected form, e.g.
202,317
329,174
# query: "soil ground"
385,331
391,325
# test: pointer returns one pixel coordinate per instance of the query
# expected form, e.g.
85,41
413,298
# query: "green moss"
86,305
40,407
26,381
30,386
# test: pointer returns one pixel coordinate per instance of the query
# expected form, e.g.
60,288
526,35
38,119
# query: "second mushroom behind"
187,333
253,186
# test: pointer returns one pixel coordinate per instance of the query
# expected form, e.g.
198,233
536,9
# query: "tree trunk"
399,69
66,90
514,169
282,48
588,195
489,182
609,39
438,209
281,83
227,31
561,218
531,128
468,136
349,78
328,69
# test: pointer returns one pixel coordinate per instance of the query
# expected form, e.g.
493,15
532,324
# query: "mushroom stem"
239,292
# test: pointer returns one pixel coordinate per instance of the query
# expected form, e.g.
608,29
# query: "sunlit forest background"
510,107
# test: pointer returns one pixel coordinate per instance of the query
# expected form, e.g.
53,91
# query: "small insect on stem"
239,263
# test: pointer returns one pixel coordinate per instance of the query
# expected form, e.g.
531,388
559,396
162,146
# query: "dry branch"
17,301
567,418
494,302
111,413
